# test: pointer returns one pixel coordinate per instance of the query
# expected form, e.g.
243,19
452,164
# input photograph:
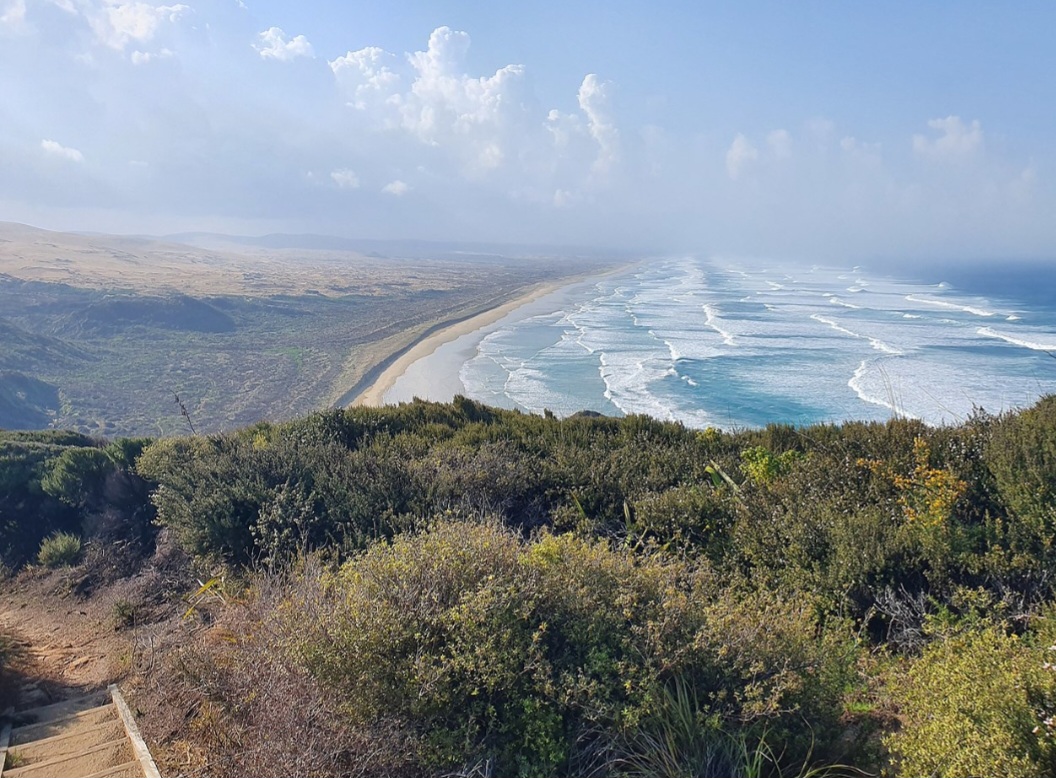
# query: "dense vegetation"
454,588
282,338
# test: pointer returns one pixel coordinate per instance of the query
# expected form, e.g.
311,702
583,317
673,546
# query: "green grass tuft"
60,550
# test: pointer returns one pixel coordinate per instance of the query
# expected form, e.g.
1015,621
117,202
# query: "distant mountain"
139,245
416,249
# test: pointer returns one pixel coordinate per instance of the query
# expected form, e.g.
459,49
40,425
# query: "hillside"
454,589
101,333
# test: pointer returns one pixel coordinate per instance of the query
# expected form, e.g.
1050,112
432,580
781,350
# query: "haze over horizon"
817,131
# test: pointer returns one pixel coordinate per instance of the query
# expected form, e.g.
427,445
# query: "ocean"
729,344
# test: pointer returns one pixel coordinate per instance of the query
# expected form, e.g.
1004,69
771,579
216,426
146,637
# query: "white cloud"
447,107
365,78
563,198
479,127
474,120
116,24
956,140
273,44
397,188
860,150
14,14
56,149
562,127
740,153
345,178
143,57
780,143
594,102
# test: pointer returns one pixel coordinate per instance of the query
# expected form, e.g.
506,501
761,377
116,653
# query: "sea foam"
713,342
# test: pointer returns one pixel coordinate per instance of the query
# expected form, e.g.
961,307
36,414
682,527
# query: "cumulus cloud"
479,127
475,120
345,179
446,106
955,140
397,188
117,24
273,44
56,149
562,127
740,153
594,102
365,78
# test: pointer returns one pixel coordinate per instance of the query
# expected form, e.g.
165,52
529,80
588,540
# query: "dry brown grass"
226,700
150,266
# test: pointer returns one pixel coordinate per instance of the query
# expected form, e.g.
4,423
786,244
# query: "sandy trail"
69,646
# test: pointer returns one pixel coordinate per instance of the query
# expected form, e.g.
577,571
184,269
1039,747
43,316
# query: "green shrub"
27,513
762,465
77,475
60,550
532,654
693,516
967,708
125,614
1021,455
676,741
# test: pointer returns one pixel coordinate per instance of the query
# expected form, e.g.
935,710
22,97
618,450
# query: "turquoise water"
714,343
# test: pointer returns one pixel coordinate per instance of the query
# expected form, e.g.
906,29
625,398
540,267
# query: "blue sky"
811,130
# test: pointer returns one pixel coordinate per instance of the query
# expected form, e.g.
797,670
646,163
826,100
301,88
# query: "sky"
812,130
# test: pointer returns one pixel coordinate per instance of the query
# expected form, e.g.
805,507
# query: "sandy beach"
374,395
418,354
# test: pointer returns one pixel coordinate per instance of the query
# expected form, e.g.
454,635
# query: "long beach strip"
374,395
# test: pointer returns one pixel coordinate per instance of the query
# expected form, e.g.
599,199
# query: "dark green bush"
60,550
28,514
528,653
1021,539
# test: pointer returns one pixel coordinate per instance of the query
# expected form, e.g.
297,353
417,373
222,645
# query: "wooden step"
59,710
129,770
57,727
85,762
73,741
76,738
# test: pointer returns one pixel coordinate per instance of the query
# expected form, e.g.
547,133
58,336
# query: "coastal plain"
119,336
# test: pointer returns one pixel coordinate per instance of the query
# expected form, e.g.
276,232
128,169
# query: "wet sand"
374,395
443,381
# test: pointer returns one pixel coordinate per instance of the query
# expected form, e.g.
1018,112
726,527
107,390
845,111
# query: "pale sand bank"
415,373
374,395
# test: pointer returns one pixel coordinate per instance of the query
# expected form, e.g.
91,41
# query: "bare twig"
185,413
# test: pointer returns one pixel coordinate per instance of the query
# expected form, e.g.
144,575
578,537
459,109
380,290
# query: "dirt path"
70,646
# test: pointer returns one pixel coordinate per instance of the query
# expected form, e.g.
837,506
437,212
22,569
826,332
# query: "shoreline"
380,379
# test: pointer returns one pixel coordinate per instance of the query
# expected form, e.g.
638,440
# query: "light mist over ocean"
727,344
